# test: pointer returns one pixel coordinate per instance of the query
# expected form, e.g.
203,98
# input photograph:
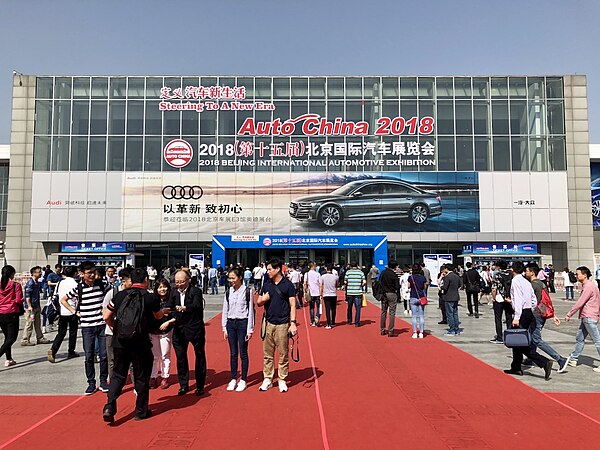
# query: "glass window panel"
118,87
62,88
208,122
554,88
281,88
335,87
519,154
208,81
153,87
189,122
175,83
538,155
263,88
390,87
500,117
99,87
135,117
444,88
556,154
241,116
116,117
499,87
297,109
135,154
300,88
193,165
537,118
172,122
227,122
482,154
81,117
426,108
408,109
431,140
354,111
480,87
390,109
189,81
98,153
445,117
60,153
154,118
335,109
98,117
425,87
353,87
481,118
116,154
372,85
371,112
43,117
464,153
518,117
408,87
464,117
317,87
227,81
152,154
517,87
81,87
535,88
317,108
282,110
135,87
41,153
248,83
79,154
62,117
501,154
44,88
556,119
462,87
446,156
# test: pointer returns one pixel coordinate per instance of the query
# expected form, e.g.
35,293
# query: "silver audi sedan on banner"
371,199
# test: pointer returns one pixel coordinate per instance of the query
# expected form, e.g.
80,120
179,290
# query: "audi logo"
182,192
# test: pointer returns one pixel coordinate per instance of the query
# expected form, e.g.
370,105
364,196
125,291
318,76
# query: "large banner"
595,176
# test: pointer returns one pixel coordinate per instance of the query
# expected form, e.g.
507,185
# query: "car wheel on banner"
178,153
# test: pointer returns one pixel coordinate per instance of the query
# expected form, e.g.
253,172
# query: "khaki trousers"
30,324
276,337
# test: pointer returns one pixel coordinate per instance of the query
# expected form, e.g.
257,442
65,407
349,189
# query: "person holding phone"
238,325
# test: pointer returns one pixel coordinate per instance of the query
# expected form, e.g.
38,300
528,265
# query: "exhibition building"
237,169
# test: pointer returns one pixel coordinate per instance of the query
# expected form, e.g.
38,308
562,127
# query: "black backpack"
572,277
378,292
129,317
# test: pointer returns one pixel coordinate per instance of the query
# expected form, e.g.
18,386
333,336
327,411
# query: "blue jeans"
90,334
213,286
315,304
356,301
569,295
236,335
536,338
452,315
587,326
418,313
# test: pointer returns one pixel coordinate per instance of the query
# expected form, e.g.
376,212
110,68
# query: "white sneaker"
328,327
406,312
266,385
414,336
231,385
282,386
241,386
420,335
572,362
43,330
410,313
596,369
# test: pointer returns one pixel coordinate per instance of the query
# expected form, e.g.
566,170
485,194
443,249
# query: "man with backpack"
391,287
88,296
501,282
131,314
472,282
541,313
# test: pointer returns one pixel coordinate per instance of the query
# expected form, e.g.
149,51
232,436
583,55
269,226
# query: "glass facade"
481,123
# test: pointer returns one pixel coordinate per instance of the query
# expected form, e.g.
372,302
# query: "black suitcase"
516,337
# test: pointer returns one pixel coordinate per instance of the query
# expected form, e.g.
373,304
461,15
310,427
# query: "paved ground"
35,375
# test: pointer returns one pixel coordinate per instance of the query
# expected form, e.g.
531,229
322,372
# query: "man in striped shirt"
88,296
355,280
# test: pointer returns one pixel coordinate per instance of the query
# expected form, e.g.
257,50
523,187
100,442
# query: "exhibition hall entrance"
299,257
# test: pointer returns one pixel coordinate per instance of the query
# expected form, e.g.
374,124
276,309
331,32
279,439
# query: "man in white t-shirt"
329,284
67,320
294,275
312,284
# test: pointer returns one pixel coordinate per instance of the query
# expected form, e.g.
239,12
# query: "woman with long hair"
418,289
11,304
161,339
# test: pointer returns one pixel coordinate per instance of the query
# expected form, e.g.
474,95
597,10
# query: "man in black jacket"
391,287
472,282
187,307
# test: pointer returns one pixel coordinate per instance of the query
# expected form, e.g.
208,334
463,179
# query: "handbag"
422,298
21,306
516,337
364,300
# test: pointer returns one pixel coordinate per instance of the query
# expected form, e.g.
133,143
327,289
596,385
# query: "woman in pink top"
11,295
588,306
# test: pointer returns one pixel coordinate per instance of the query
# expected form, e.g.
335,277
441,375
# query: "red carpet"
374,392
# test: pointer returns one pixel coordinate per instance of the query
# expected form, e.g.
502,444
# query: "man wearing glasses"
88,295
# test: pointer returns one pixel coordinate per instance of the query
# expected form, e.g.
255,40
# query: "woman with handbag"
418,300
11,307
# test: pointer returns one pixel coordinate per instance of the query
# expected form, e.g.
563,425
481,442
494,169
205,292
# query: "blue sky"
262,37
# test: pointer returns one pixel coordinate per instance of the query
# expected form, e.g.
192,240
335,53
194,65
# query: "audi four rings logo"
182,192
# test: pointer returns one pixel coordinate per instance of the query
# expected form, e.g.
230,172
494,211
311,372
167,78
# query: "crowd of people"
130,320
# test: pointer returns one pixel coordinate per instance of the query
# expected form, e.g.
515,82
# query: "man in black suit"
187,307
